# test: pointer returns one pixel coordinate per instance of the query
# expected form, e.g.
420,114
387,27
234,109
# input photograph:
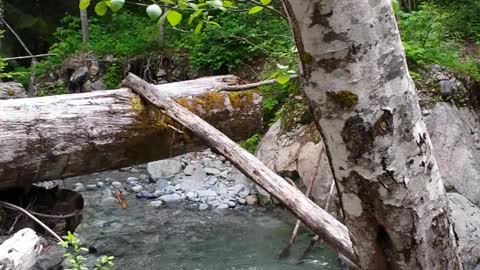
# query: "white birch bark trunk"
366,107
54,137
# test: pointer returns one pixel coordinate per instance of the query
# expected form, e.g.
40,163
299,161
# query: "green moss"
307,58
343,98
294,112
241,100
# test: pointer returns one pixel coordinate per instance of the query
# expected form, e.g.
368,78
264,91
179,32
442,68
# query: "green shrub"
427,39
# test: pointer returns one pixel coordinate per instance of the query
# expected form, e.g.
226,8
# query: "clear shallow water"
142,237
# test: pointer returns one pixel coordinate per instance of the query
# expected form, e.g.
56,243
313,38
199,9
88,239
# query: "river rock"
466,222
231,204
222,206
171,198
145,195
235,189
191,195
212,171
164,168
107,199
91,187
456,145
137,188
191,169
79,187
116,184
206,193
251,200
10,90
156,204
202,207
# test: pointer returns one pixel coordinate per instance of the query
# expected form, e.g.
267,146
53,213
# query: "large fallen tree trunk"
60,136
327,227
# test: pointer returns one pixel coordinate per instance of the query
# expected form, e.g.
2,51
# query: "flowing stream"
175,237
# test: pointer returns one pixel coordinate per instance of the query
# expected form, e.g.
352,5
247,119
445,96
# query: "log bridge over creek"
60,136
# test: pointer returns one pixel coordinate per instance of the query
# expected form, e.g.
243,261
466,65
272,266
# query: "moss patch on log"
343,98
241,100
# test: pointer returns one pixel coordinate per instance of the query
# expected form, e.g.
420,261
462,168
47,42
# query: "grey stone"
206,193
222,206
212,171
137,188
191,195
202,207
145,195
171,198
164,168
156,204
100,184
235,189
79,187
217,164
251,200
455,146
91,187
242,201
466,223
107,199
143,177
192,169
161,184
231,204
132,179
212,180
10,90
116,184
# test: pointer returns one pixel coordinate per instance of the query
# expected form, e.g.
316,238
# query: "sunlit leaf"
170,2
396,6
174,17
283,79
265,2
255,9
198,28
214,24
116,5
83,4
101,8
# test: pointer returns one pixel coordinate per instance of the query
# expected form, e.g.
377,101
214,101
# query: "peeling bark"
61,136
366,107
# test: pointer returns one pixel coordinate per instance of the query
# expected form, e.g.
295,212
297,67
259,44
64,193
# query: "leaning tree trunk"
60,136
357,82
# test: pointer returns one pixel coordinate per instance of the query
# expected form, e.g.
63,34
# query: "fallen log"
21,251
331,230
55,137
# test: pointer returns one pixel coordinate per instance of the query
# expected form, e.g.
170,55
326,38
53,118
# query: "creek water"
175,237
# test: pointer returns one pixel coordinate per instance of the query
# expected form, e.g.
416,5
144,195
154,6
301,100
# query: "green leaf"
174,17
214,24
396,6
83,4
116,5
265,2
194,15
283,79
101,8
255,9
154,12
170,2
228,4
198,28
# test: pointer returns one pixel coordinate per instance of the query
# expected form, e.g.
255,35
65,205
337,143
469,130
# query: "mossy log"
55,137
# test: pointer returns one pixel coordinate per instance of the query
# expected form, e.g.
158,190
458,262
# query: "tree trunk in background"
364,100
54,137
84,23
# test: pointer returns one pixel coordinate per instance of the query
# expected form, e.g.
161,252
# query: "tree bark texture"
357,82
21,251
84,23
331,230
61,136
